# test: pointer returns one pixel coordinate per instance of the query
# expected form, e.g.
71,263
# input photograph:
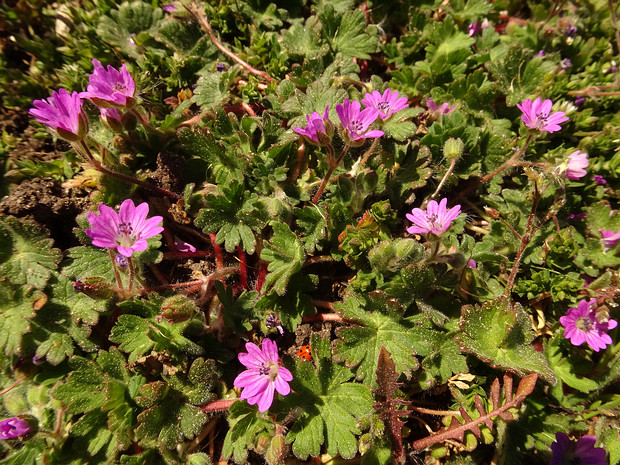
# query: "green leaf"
132,333
84,389
519,74
17,308
137,335
211,90
331,407
88,262
285,255
348,33
380,324
500,333
305,39
234,216
169,423
131,18
564,367
223,161
26,253
312,223
92,426
246,424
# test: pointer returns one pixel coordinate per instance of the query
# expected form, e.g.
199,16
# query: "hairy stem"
445,176
525,240
369,152
332,167
116,273
207,27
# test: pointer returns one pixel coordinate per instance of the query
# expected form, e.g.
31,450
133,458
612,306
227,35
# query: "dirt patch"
49,204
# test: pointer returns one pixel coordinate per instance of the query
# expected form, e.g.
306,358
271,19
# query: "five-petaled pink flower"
355,122
319,130
126,231
263,375
576,164
14,427
111,87
582,452
63,113
387,103
536,115
610,238
436,219
583,325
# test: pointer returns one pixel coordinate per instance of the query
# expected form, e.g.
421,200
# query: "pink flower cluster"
109,89
354,122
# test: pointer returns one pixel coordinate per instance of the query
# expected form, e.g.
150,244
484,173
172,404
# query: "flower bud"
178,308
453,148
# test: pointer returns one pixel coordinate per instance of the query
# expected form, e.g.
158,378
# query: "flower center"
585,324
269,369
356,125
383,106
119,87
541,119
433,221
124,236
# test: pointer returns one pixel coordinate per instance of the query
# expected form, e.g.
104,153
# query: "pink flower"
473,29
182,246
111,87
577,162
387,104
582,452
263,376
63,113
443,109
12,428
610,238
536,115
436,219
582,325
319,130
355,123
126,231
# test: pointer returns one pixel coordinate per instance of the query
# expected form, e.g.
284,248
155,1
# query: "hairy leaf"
500,333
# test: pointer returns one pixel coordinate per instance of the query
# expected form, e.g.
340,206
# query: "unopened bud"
178,308
453,148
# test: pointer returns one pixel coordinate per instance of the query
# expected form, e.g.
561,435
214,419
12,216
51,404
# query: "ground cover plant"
309,231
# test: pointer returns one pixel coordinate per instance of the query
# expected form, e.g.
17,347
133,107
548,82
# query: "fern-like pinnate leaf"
457,429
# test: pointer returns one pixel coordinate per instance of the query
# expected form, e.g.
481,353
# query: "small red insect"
305,353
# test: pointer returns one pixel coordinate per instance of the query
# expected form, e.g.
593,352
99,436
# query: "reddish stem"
243,268
262,274
207,27
175,255
219,257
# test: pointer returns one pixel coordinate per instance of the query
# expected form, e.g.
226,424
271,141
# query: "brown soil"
49,204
